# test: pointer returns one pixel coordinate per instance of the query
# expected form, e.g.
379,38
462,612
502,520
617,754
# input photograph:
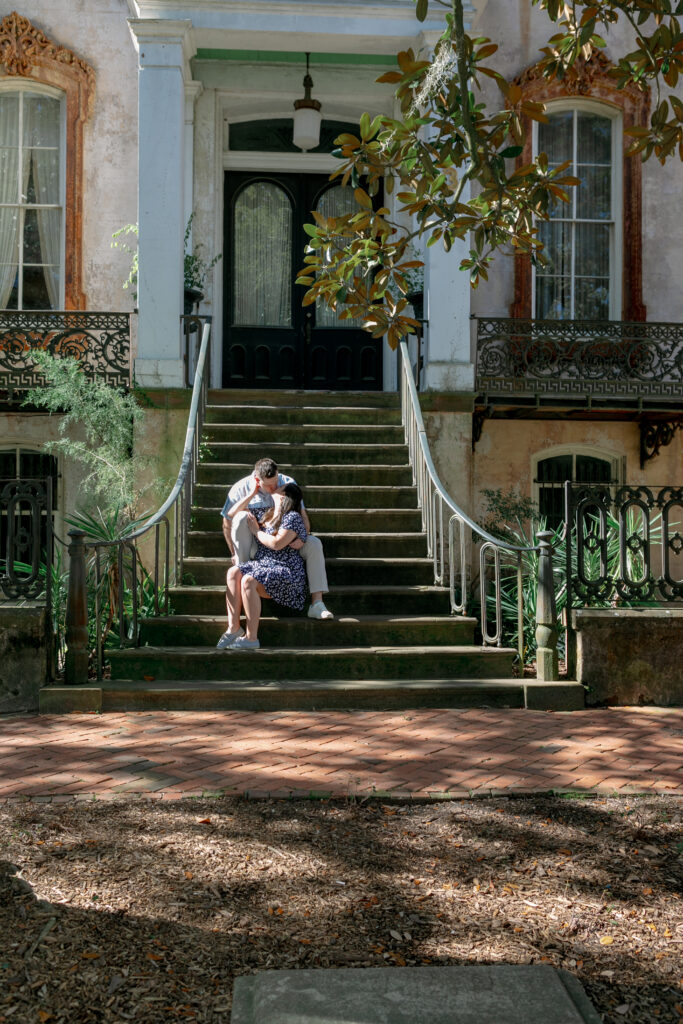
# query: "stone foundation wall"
630,655
24,658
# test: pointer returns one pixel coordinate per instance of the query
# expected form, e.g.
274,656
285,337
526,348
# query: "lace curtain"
34,180
262,295
575,284
335,202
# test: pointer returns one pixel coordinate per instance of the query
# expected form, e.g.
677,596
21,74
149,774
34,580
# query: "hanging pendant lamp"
307,116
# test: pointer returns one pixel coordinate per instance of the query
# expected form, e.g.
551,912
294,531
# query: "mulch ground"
145,911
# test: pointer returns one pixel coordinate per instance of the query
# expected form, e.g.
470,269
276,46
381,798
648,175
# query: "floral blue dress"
281,573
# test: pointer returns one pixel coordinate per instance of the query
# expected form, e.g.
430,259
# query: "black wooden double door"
269,339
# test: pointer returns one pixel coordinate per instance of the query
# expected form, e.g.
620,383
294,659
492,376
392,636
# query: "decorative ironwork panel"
100,341
624,545
604,359
26,533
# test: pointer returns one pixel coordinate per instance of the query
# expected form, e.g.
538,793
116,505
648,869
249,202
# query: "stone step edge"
564,696
342,590
395,535
381,650
353,619
211,560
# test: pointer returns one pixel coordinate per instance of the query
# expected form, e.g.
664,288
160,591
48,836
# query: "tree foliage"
450,159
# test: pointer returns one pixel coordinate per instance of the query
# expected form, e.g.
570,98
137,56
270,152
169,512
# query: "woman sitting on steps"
276,571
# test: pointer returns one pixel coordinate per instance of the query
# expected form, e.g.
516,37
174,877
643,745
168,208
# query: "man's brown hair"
265,469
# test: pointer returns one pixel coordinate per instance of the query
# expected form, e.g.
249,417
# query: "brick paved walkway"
418,753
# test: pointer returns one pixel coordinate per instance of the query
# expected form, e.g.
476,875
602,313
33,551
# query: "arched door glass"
262,279
335,202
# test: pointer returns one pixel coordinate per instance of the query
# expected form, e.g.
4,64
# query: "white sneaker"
229,638
319,611
242,644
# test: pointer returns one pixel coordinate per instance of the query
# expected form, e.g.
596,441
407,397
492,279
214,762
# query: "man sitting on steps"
242,543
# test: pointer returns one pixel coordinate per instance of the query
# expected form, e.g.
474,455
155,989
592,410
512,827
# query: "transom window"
31,199
581,238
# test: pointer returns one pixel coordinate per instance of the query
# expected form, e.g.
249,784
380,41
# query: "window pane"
553,298
594,142
9,174
591,299
555,137
262,295
8,465
41,121
9,119
592,250
555,470
594,194
557,239
35,289
10,275
43,179
590,470
335,202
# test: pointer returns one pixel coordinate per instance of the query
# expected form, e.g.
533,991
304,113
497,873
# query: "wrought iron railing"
624,544
598,360
27,549
100,341
119,562
450,535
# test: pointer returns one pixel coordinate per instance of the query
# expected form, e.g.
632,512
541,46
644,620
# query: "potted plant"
195,267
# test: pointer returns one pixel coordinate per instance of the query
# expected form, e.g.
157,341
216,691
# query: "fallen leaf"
149,679
189,875
395,935
606,940
91,956
205,821
624,1008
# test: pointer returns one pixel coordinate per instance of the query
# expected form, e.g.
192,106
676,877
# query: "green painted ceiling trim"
287,57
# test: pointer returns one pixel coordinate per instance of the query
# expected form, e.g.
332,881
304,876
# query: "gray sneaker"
229,638
242,644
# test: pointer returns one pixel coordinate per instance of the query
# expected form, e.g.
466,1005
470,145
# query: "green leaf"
421,9
511,152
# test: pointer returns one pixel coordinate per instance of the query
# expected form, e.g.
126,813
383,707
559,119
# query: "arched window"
581,464
31,198
582,278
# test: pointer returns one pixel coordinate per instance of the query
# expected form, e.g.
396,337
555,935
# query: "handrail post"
547,669
76,662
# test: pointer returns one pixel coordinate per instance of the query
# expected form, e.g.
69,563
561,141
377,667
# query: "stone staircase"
393,643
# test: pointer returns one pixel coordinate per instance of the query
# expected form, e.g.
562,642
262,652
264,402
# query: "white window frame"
616,219
617,464
21,86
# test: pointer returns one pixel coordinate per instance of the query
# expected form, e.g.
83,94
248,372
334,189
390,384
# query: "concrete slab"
473,994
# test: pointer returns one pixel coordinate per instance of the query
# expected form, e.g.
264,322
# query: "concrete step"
343,631
309,695
318,454
312,399
391,572
334,520
267,434
352,600
280,663
306,475
293,414
211,544
212,496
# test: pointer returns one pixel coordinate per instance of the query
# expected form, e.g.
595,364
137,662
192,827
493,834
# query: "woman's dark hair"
292,499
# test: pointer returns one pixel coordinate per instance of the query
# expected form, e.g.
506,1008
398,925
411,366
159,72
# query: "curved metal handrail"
167,564
443,544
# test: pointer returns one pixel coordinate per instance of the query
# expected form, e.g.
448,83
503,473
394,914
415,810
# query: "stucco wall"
503,455
97,32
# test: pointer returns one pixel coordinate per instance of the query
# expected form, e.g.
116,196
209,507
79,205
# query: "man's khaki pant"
311,552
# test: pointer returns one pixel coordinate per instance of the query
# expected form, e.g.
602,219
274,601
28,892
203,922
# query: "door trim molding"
299,163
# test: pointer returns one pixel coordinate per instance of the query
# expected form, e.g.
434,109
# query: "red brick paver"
416,753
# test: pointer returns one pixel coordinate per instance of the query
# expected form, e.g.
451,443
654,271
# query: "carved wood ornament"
590,79
26,52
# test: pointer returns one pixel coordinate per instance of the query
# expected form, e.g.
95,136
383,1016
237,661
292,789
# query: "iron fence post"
76,663
547,669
